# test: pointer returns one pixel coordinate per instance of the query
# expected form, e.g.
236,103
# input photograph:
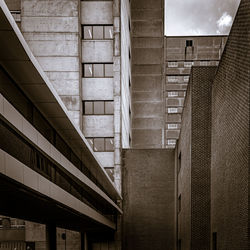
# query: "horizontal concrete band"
16,170
26,129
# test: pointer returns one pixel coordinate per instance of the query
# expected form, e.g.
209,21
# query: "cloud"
199,17
223,23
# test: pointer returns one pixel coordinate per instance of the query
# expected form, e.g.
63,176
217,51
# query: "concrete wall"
205,51
194,158
126,73
51,29
230,138
148,205
147,73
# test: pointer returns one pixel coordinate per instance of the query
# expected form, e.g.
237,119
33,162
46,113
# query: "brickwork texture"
148,199
194,153
230,138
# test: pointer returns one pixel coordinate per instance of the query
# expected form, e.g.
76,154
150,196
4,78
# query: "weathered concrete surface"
51,28
97,12
97,89
148,205
98,125
97,51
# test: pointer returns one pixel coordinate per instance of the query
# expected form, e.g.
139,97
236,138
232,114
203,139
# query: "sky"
199,17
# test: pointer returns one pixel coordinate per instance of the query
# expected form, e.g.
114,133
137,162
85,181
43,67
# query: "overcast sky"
199,17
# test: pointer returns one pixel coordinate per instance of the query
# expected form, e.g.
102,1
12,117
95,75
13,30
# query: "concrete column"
51,236
84,241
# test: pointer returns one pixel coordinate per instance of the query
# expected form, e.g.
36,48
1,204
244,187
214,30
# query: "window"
97,70
188,64
173,126
171,142
172,79
214,247
179,244
179,162
172,94
16,15
97,32
172,64
186,78
98,107
204,63
179,203
189,43
101,144
172,110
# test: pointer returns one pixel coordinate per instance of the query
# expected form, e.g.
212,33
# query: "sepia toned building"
114,136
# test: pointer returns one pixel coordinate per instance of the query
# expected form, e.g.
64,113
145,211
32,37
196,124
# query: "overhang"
18,60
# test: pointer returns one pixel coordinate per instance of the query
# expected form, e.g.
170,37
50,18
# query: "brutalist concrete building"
116,137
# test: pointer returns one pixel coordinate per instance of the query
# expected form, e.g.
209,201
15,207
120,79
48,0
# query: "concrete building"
82,82
181,53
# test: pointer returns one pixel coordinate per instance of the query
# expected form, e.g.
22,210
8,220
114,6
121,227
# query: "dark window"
98,107
214,241
97,70
179,203
189,43
100,144
179,162
179,245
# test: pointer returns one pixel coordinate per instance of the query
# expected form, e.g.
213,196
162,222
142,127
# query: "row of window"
97,32
190,64
175,64
171,142
11,142
19,100
97,70
176,93
101,144
174,110
98,107
178,79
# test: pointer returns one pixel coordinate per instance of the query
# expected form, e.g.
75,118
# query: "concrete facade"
147,73
148,192
51,29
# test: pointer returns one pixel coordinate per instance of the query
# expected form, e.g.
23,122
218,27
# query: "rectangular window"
172,64
204,63
188,64
172,110
16,15
179,203
171,142
179,162
101,144
98,107
173,126
172,79
186,78
189,43
214,241
97,70
172,94
97,32
179,245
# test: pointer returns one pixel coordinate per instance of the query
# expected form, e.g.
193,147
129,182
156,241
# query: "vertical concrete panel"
148,192
147,61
